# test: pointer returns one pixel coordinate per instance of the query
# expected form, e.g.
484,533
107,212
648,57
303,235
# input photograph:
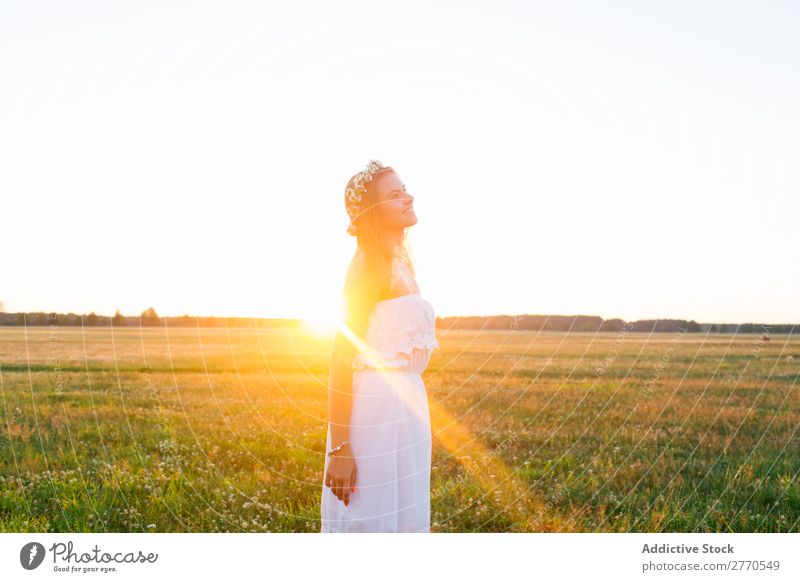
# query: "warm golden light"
509,494
320,326
323,321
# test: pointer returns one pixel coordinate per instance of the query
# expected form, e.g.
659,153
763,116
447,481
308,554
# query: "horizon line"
439,317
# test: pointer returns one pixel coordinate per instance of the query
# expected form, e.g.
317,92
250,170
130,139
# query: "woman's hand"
341,475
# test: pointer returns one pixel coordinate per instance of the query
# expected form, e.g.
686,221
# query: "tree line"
593,323
148,318
561,323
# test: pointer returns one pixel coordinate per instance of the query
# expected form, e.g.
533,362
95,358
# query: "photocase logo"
31,555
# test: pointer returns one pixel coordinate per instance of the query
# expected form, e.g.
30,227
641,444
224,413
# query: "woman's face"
395,205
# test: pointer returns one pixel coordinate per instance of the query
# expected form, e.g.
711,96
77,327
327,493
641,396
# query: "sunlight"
319,326
504,491
323,321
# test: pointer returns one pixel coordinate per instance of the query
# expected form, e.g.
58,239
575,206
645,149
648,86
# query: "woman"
378,461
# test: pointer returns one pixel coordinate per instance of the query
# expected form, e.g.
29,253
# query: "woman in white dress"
378,461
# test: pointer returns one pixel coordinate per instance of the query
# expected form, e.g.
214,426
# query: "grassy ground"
223,430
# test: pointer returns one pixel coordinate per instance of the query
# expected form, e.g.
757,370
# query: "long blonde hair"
377,252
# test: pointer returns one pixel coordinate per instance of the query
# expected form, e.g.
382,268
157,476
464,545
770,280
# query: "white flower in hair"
354,193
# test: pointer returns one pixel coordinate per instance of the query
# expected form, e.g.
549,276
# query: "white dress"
390,430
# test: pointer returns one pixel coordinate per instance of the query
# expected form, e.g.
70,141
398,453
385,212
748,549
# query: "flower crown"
356,188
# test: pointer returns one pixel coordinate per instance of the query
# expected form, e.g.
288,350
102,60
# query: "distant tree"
693,327
149,316
91,319
118,319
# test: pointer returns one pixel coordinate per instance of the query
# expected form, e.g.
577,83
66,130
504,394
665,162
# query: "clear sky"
624,159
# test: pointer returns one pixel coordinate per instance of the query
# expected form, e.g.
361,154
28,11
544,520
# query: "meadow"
223,430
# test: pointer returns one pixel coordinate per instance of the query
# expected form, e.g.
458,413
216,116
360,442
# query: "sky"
625,159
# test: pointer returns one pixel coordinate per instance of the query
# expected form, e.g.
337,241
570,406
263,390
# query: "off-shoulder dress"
390,430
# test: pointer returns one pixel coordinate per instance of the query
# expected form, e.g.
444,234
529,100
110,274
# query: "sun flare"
319,327
321,324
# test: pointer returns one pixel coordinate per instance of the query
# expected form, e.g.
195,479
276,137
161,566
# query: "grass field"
211,430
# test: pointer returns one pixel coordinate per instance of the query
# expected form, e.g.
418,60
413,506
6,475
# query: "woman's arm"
340,389
341,473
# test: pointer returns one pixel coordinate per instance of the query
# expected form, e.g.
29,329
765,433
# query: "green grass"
217,430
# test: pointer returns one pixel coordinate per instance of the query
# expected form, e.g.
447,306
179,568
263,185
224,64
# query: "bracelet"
335,450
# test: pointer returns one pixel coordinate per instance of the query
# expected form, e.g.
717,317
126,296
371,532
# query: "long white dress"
390,430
